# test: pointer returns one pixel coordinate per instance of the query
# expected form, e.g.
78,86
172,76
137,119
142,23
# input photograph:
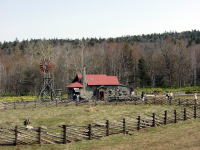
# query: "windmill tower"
47,91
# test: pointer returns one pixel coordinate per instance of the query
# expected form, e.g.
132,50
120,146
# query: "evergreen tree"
142,71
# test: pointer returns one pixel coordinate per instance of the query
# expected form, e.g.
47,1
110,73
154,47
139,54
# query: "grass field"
138,92
189,89
180,136
78,115
17,98
22,98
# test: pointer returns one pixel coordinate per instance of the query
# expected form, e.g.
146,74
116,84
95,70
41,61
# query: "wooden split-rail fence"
63,134
57,103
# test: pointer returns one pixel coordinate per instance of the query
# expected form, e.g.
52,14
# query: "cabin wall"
107,92
120,92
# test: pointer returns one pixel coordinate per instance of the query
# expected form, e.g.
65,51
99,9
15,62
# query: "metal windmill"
47,91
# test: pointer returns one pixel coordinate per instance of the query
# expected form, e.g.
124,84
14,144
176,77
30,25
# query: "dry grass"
184,136
79,115
91,109
17,98
180,136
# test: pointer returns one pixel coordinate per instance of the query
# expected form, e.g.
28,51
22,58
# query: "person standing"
78,98
171,95
74,97
143,96
195,96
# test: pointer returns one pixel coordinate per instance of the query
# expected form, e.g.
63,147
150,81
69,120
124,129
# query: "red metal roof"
101,79
75,85
96,79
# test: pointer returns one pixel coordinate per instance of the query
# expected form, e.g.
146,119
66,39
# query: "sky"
26,19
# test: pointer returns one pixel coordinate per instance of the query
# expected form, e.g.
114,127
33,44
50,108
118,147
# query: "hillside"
154,60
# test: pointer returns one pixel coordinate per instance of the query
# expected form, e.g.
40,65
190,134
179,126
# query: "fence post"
175,116
14,105
138,123
165,117
5,106
154,100
170,101
16,135
39,135
195,102
153,120
105,102
89,132
195,111
124,126
95,102
135,102
35,103
179,101
107,128
64,134
56,102
184,114
145,101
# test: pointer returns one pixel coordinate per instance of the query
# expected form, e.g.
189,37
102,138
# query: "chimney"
84,79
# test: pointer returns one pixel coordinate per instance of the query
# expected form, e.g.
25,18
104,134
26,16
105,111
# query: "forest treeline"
155,60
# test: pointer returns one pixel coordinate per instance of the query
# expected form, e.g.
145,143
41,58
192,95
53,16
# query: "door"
101,95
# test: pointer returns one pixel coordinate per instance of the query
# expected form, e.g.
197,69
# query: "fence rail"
67,102
18,135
